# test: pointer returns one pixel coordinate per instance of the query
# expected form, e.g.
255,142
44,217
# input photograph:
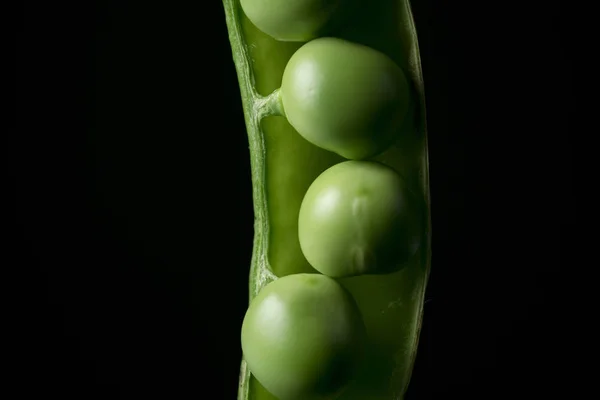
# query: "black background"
130,195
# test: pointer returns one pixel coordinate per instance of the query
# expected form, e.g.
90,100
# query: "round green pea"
358,217
296,20
303,337
345,97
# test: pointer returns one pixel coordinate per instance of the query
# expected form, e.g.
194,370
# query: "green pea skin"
344,97
303,337
358,218
296,20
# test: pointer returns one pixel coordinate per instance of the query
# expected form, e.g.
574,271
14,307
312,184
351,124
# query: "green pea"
295,20
358,217
303,337
344,97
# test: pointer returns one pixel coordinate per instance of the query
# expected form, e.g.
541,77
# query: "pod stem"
255,107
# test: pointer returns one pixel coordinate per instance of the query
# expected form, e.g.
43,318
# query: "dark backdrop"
130,217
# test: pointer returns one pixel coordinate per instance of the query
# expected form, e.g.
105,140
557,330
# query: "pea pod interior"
284,165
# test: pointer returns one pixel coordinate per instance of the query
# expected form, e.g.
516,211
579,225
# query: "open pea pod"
284,165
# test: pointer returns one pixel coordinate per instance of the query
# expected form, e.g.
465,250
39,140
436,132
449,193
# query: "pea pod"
284,165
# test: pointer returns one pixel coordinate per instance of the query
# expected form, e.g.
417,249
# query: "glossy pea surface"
295,20
358,217
345,97
303,337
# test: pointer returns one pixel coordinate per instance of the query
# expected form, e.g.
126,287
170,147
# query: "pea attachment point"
270,105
